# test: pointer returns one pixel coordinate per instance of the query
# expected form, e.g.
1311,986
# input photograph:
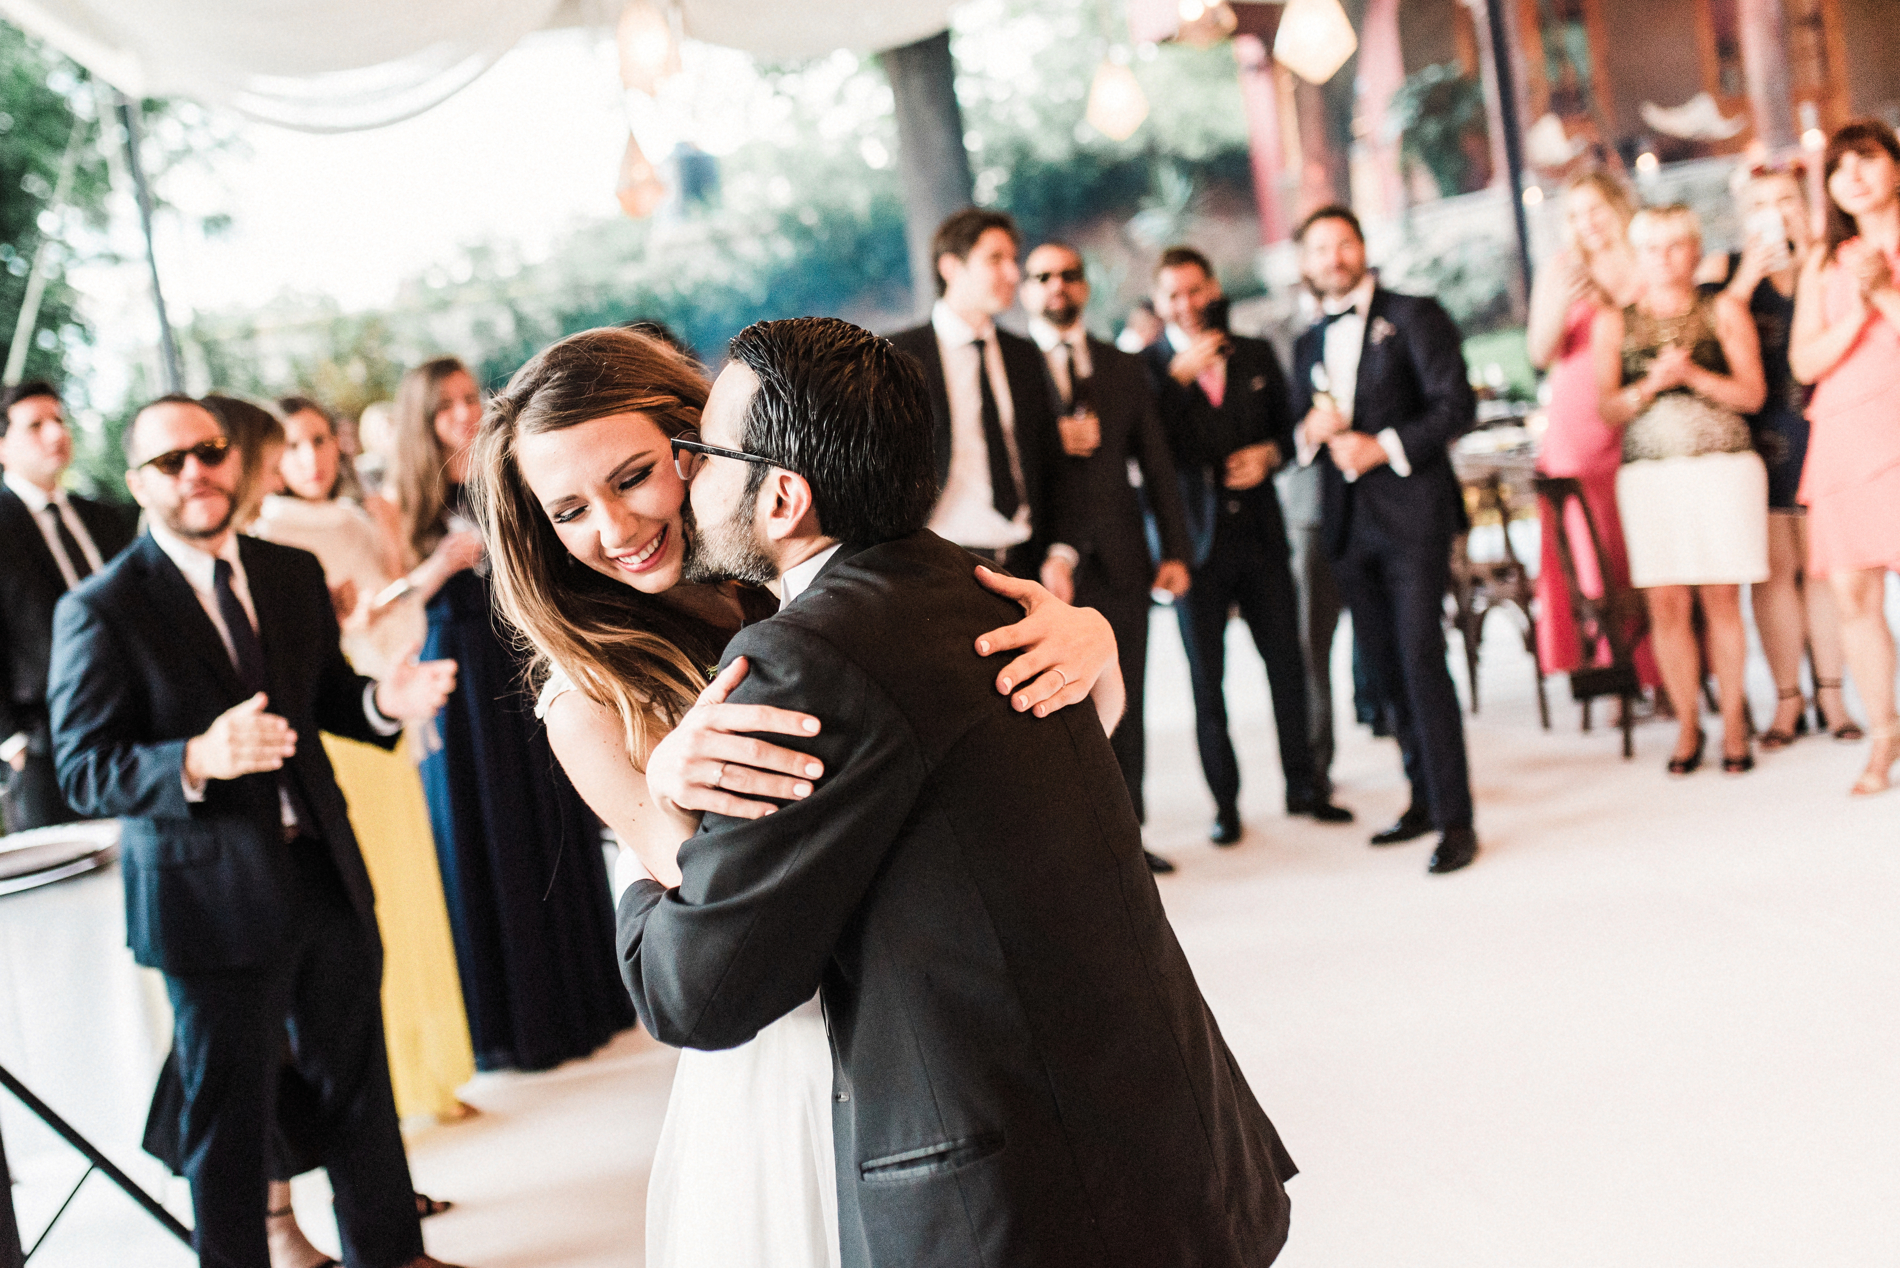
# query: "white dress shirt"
200,570
1345,345
1066,351
966,510
40,502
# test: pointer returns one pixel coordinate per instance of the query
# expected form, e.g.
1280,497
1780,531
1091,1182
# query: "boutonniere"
1381,331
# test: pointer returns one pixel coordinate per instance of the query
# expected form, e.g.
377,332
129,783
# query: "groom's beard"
727,551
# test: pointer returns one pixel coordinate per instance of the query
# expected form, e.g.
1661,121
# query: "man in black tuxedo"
1380,386
56,541
1223,402
243,883
991,401
1025,1071
1112,447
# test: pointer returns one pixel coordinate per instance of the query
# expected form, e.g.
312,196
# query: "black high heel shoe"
1690,764
1774,737
1848,732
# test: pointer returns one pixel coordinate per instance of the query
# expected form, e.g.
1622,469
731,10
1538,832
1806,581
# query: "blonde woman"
1676,370
1847,343
1595,271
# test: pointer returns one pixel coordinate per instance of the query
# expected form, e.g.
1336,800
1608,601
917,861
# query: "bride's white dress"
743,1173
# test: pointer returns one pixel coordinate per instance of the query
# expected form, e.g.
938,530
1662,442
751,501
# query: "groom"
1025,1072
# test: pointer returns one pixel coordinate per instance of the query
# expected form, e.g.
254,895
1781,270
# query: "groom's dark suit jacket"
1025,1071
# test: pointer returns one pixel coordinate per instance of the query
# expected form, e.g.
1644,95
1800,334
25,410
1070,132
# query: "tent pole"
128,119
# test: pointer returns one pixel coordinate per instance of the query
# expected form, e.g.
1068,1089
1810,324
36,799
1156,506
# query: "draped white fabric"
342,65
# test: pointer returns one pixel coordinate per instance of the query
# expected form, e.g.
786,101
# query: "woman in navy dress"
521,860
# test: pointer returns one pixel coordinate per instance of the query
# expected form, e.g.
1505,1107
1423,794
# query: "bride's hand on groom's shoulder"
710,764
1068,653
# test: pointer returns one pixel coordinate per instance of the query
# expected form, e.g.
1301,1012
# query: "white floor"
1655,1024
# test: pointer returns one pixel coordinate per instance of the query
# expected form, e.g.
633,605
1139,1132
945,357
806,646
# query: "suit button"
1233,506
843,1097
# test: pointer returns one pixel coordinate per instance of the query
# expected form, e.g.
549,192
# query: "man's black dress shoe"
1456,848
1156,864
1320,811
1226,829
1412,825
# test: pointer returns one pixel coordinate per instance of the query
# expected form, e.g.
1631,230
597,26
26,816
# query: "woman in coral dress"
1847,343
1596,270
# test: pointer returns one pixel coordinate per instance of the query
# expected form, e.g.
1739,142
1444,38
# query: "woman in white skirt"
1677,370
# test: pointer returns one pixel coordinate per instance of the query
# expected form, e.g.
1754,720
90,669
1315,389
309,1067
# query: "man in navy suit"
1379,384
189,681
56,540
1223,401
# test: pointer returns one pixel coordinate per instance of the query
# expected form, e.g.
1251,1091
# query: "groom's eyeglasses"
209,453
689,450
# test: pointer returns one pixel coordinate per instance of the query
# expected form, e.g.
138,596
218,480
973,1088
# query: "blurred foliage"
806,217
47,103
1438,114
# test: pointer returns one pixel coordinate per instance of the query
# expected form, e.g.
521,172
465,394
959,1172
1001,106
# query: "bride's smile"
609,489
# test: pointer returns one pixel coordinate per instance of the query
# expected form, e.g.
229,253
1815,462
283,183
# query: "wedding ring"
721,776
1058,673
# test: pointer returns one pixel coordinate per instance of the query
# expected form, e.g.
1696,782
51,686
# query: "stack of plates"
41,856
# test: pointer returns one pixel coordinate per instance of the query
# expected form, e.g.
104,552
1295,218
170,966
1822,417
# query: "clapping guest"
1794,612
1847,343
1676,371
519,851
1595,270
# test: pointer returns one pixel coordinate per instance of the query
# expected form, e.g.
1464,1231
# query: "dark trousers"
229,1037
1127,613
33,799
1246,569
1397,597
1320,606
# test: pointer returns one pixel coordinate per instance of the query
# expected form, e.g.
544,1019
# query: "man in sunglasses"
1114,451
190,679
58,539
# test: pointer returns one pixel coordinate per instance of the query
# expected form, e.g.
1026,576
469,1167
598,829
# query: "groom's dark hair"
847,411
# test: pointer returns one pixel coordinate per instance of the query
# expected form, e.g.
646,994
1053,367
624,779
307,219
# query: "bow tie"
1327,319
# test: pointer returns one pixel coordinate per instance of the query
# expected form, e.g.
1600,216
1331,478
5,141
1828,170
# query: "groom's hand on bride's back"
1068,653
711,764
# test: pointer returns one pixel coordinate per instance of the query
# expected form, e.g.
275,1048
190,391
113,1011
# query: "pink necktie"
1213,381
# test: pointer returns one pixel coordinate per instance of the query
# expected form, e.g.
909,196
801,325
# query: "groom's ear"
786,506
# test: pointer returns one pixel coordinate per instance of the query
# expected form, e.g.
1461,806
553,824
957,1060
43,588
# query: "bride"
578,495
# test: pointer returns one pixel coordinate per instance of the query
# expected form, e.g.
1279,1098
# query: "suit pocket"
177,844
931,1160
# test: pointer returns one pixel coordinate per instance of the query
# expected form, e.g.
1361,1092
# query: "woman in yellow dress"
424,1025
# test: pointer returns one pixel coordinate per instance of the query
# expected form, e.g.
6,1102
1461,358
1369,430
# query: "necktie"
69,545
1213,381
1079,383
1004,495
246,650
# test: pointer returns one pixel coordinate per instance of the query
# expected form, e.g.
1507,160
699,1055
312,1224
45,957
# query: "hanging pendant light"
1117,105
1315,39
639,189
649,49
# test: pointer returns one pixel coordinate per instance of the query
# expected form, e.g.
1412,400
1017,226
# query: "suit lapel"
272,607
20,526
178,608
1367,349
931,356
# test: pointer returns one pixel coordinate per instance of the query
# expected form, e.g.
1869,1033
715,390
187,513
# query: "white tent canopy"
343,65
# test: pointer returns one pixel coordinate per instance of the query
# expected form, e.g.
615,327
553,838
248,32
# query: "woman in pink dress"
1847,343
1595,270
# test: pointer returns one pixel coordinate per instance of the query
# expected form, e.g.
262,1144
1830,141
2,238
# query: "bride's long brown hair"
632,651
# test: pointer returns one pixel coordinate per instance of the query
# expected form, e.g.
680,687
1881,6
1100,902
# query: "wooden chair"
1609,627
1479,589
